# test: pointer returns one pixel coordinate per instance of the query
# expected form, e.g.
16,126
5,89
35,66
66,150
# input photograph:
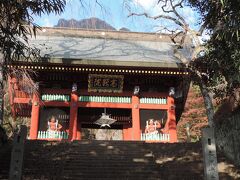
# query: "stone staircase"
5,156
115,160
112,160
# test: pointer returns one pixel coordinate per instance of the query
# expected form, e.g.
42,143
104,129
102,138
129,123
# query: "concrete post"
209,154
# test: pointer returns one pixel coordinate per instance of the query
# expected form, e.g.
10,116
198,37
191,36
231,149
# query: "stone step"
105,143
137,175
5,156
94,160
109,160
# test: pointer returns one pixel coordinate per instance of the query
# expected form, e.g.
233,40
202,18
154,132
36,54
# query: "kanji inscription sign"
105,83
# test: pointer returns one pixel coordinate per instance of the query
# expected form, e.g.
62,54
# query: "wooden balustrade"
153,100
109,99
52,135
55,97
155,137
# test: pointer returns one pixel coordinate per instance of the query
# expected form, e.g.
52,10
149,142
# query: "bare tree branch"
177,14
175,35
202,28
157,17
180,21
173,15
101,6
173,10
164,6
168,30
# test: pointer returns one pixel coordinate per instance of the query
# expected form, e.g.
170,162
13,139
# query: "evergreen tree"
16,26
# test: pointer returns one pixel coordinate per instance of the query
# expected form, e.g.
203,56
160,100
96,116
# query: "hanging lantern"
74,87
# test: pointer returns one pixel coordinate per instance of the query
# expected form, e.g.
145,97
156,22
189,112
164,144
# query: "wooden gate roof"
101,47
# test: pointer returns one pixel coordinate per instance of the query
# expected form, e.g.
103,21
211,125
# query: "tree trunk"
3,136
2,132
1,95
208,103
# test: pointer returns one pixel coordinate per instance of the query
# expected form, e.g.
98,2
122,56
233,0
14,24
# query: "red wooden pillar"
135,130
127,136
78,130
34,117
171,122
73,116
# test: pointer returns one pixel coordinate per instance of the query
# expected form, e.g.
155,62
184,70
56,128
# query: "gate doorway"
92,131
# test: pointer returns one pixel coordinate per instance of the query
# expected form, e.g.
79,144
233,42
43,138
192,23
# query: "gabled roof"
101,47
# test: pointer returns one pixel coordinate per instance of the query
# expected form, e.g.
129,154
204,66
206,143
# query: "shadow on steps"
117,160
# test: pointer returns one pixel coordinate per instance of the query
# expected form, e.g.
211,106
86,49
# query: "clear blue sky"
115,13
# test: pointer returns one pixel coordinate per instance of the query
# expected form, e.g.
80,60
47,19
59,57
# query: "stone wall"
227,133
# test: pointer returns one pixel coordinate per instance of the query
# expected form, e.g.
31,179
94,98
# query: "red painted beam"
56,91
22,100
55,103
